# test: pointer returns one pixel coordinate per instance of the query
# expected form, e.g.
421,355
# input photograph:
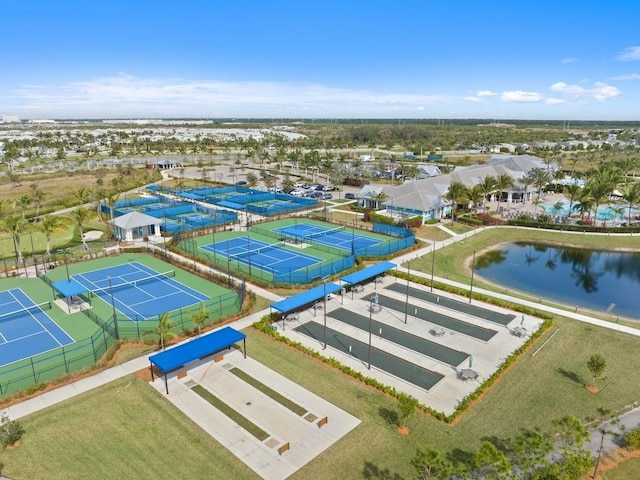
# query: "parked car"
319,187
241,182
350,196
297,193
326,196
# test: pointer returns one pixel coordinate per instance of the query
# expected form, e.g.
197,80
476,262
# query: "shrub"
632,439
10,430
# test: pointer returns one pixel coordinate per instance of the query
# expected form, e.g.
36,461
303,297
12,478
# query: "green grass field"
135,422
629,470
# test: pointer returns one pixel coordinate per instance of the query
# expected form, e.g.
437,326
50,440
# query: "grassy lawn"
459,228
432,232
629,470
124,429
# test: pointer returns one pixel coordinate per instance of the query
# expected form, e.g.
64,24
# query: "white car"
297,193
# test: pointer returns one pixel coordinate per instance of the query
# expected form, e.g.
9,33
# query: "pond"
590,279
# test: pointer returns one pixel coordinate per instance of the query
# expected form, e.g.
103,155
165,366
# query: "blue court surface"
337,237
272,258
25,333
139,292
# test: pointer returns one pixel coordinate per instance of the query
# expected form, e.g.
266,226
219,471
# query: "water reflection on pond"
590,279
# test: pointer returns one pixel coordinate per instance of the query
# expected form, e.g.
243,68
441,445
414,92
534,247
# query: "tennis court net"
27,311
324,233
255,251
123,284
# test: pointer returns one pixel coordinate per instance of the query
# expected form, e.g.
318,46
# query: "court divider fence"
85,353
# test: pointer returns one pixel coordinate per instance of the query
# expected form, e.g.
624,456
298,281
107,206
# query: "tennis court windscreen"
118,284
25,312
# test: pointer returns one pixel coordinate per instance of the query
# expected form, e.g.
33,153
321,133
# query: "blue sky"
323,59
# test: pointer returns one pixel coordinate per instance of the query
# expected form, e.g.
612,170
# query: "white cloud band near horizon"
128,96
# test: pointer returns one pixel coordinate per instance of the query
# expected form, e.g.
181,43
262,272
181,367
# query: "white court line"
44,329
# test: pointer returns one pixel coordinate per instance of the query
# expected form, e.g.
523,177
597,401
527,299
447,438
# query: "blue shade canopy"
367,273
69,288
182,354
305,298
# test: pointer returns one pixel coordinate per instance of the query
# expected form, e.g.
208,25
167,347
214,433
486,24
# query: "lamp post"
324,293
113,306
473,265
370,322
406,303
433,263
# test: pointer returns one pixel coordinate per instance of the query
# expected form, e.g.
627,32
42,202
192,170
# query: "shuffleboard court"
382,360
480,312
418,344
26,329
444,321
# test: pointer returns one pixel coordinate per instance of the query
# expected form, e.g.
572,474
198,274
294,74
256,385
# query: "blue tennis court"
139,292
272,258
335,237
26,329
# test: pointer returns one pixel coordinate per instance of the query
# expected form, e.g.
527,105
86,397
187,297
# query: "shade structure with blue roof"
69,288
369,272
201,347
300,300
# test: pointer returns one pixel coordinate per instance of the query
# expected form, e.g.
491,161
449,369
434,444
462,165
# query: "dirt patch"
403,430
14,446
593,389
144,374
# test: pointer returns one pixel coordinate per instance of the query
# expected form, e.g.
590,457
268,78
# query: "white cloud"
629,54
520,96
486,93
569,60
127,95
473,99
554,101
629,76
600,91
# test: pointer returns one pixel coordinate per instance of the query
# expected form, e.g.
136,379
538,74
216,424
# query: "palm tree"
37,196
14,226
572,192
23,202
584,203
163,329
379,198
631,194
456,194
526,181
199,317
111,200
80,216
475,195
49,224
540,179
503,182
81,194
487,186
600,190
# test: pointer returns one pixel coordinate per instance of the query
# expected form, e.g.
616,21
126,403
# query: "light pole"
473,265
113,306
406,303
370,322
324,293
433,263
